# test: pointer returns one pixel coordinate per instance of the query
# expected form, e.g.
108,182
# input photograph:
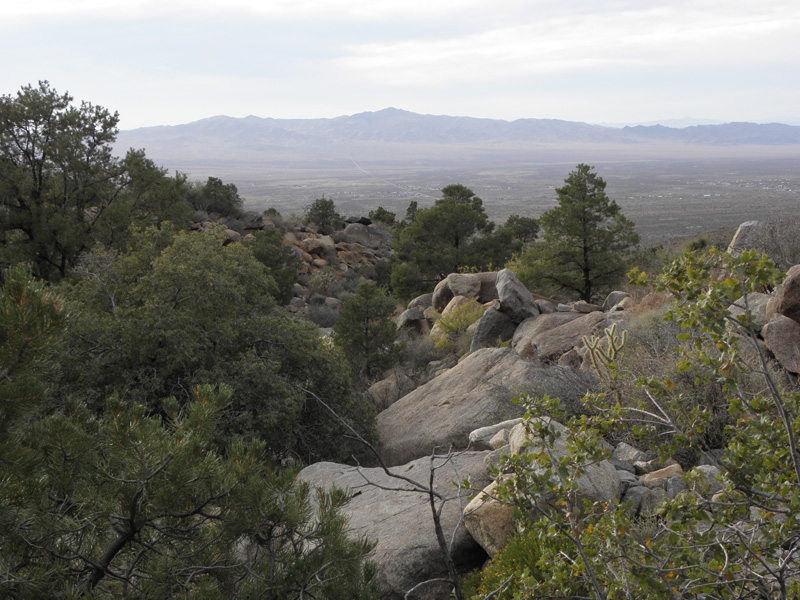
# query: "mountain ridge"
267,137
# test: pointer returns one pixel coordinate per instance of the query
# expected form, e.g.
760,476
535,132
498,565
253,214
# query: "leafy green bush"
739,542
517,568
158,321
452,327
125,504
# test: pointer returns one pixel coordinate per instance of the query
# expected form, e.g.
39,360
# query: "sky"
599,61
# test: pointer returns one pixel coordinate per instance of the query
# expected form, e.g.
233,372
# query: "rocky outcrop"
782,338
478,286
787,298
489,521
389,390
414,321
515,299
778,239
373,237
547,337
475,392
613,299
756,304
493,327
407,552
599,481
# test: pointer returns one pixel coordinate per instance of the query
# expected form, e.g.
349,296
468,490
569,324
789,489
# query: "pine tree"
584,240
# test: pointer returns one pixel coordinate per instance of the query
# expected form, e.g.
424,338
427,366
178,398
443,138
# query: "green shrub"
519,567
452,327
737,543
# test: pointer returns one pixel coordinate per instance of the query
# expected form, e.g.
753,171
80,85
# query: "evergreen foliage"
185,310
214,196
585,240
454,235
62,189
366,333
323,216
128,505
383,216
283,264
438,241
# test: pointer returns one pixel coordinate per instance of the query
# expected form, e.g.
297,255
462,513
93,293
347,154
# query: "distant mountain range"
234,138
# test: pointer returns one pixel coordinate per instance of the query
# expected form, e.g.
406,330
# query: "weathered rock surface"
413,319
787,297
746,236
549,336
586,307
407,551
423,301
643,500
515,299
778,239
480,286
613,299
492,326
474,393
490,523
387,391
782,338
627,453
370,236
480,439
756,303
464,284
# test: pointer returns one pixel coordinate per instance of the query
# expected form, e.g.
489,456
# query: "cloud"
664,36
337,10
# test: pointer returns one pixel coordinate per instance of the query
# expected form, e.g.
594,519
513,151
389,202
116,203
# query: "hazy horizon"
677,123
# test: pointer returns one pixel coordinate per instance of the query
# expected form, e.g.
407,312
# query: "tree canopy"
61,188
439,239
453,235
216,196
365,332
130,505
322,214
584,240
182,310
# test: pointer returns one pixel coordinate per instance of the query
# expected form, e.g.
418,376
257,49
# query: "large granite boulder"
489,521
389,390
515,299
782,337
480,286
414,320
614,298
778,239
474,393
423,301
407,552
492,327
787,298
370,236
756,303
547,337
747,236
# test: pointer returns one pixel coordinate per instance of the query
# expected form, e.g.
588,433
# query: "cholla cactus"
603,355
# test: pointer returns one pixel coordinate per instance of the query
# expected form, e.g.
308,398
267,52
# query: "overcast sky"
599,61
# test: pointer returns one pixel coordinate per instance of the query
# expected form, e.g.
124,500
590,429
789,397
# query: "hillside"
256,138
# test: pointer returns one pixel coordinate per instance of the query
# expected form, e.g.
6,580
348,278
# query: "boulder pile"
462,412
